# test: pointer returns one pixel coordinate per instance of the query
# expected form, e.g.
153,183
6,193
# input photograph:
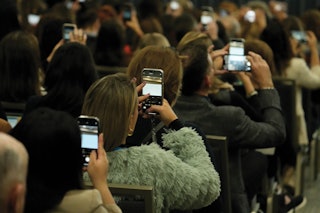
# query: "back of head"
311,20
263,49
49,32
71,66
160,58
195,38
52,139
110,43
113,100
184,24
8,18
157,39
195,67
278,40
13,172
19,66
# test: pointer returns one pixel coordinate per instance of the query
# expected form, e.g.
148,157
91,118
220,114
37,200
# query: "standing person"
54,183
179,180
13,167
230,121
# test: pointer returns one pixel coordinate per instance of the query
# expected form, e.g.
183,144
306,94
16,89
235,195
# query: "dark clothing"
241,131
2,113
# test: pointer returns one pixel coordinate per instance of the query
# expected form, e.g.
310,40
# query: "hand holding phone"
236,60
154,86
67,28
89,127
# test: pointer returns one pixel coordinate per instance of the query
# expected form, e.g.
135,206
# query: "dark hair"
52,139
110,43
19,67
49,33
278,39
195,67
183,24
69,75
8,18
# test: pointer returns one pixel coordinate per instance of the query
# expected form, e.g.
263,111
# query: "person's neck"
202,92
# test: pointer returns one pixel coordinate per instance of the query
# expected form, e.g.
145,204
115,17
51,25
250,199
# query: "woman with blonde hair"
178,179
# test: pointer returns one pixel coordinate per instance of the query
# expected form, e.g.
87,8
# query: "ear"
131,125
16,198
207,81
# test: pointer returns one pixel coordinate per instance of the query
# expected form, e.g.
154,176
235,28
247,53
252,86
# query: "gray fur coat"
183,177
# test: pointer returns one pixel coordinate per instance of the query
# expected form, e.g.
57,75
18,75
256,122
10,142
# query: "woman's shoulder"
80,201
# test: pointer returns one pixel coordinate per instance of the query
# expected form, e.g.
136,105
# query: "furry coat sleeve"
183,176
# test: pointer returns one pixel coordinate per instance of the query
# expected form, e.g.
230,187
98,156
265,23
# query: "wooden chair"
220,148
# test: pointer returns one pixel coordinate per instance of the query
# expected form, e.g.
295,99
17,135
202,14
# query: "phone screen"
236,48
299,36
237,63
67,28
154,87
89,127
33,19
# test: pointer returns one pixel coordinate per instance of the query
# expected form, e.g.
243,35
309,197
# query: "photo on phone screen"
236,47
237,63
66,29
154,87
89,127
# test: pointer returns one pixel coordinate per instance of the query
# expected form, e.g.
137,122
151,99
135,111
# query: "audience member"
286,49
111,40
179,181
88,20
157,39
242,132
8,18
54,183
49,33
19,67
69,75
13,174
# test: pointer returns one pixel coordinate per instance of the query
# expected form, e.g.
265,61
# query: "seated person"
179,180
242,132
53,141
13,175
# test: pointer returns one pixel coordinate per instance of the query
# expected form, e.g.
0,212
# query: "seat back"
134,198
220,149
287,92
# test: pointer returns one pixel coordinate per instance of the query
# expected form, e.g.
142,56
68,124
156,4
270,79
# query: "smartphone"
127,12
154,87
250,16
206,16
66,29
236,60
174,5
300,36
281,6
33,19
89,127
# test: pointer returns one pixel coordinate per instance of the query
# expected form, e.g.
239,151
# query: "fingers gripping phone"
66,29
154,87
236,60
89,127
